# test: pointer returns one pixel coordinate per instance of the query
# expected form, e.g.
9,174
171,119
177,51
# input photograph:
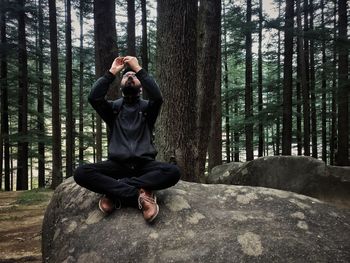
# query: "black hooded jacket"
131,124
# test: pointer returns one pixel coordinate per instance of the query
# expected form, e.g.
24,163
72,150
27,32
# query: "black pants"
122,181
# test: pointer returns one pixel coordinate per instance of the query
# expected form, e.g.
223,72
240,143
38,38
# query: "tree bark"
343,88
304,64
131,28
55,90
279,86
299,102
227,108
144,46
208,45
106,50
176,71
288,80
313,87
248,85
333,140
69,96
303,57
215,143
260,84
22,159
4,99
324,90
81,85
40,107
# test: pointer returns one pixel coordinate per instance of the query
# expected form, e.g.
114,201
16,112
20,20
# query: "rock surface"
299,174
197,223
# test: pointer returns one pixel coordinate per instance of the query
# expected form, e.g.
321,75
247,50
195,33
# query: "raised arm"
149,85
99,90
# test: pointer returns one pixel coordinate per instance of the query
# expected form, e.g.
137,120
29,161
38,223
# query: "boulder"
299,174
196,223
222,174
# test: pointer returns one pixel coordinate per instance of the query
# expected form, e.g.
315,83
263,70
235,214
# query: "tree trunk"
288,80
260,85
299,114
144,46
208,46
55,89
81,85
176,71
304,64
333,141
106,50
236,134
69,96
248,86
303,57
324,90
40,107
227,108
4,99
279,86
22,159
215,143
131,28
343,88
312,87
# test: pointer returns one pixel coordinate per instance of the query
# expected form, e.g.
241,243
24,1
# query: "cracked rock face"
197,223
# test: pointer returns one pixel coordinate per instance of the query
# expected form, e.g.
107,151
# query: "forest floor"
21,216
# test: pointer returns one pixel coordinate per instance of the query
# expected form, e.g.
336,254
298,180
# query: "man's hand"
117,65
132,62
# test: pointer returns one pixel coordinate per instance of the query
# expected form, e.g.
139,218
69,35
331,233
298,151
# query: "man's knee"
80,174
174,173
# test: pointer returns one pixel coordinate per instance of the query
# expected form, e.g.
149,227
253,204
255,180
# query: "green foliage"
35,196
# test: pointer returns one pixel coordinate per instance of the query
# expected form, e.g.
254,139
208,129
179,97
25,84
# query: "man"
131,174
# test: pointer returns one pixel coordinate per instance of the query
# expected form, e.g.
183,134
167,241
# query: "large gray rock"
222,174
299,174
197,223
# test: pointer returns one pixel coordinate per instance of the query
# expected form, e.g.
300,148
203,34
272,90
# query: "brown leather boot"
148,204
107,206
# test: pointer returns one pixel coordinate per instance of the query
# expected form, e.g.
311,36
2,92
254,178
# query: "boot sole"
154,216
103,211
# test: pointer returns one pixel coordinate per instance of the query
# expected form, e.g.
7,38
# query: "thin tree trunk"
69,96
279,87
333,141
248,86
304,64
288,80
227,111
40,106
22,159
81,85
343,88
260,84
4,100
131,28
208,46
176,39
236,133
304,86
312,87
55,90
299,119
144,46
324,90
215,143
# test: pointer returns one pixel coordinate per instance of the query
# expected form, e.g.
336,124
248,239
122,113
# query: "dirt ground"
20,228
